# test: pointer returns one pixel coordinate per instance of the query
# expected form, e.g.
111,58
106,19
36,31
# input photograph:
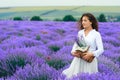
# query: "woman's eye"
84,20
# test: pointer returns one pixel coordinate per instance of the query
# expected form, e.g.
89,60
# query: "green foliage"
69,18
60,31
39,54
17,19
14,62
54,48
118,59
102,18
36,18
38,37
20,34
9,66
56,63
57,19
118,18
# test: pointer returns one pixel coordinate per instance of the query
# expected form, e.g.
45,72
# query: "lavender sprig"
80,41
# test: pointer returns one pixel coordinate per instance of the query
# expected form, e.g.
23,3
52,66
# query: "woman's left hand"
87,56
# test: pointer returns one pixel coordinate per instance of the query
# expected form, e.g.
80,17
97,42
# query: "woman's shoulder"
80,31
96,32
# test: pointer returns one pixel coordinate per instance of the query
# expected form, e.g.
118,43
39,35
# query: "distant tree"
102,18
69,18
118,18
57,19
17,18
36,18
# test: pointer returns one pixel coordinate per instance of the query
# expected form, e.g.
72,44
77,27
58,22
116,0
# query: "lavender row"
41,50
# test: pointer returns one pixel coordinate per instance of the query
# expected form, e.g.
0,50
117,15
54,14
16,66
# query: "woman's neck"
88,29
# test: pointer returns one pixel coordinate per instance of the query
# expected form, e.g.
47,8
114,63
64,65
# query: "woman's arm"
99,45
74,48
90,55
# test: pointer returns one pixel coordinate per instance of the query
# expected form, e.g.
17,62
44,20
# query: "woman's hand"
76,54
88,56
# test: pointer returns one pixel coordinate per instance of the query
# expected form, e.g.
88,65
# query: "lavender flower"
80,41
18,44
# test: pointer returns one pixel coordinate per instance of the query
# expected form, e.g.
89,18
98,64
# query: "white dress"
78,65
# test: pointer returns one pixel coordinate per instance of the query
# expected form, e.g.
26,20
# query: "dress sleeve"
74,47
99,45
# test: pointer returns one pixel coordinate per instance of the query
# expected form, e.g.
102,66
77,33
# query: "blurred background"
36,38
57,10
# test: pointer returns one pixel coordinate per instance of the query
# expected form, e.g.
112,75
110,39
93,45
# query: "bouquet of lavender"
82,46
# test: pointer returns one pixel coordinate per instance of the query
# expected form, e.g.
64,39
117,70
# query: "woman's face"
86,22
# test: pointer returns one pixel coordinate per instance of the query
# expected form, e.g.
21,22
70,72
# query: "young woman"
82,62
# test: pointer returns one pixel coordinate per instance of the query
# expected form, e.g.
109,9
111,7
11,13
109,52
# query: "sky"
14,3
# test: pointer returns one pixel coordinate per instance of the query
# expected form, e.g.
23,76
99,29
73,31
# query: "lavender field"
41,50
